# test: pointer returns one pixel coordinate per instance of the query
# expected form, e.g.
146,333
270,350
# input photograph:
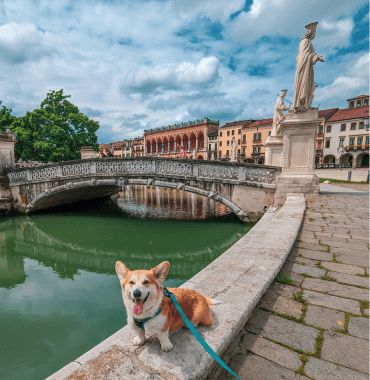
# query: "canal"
59,294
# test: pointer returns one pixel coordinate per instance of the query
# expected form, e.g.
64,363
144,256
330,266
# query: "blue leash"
205,345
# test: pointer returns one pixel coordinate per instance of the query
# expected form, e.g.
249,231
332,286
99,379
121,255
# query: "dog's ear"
121,270
161,270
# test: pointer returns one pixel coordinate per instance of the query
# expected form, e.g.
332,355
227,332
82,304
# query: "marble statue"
233,149
279,116
194,154
304,84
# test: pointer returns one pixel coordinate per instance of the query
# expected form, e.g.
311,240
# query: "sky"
136,64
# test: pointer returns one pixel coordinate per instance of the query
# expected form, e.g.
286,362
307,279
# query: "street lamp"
341,150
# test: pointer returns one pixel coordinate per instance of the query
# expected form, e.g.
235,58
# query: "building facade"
346,139
116,149
138,146
225,135
213,146
166,141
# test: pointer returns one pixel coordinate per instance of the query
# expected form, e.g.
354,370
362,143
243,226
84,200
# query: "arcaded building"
166,141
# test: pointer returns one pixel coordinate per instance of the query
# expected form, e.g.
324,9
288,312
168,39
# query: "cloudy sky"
138,64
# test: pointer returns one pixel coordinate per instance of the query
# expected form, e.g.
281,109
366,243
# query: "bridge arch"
244,188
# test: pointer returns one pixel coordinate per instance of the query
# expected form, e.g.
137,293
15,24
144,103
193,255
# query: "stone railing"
238,173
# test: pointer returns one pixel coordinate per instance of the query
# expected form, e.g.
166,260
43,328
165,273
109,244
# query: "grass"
327,278
341,181
299,297
283,278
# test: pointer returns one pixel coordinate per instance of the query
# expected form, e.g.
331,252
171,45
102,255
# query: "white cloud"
288,18
169,76
216,10
21,42
356,83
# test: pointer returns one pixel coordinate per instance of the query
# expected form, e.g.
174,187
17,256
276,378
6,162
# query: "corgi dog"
150,312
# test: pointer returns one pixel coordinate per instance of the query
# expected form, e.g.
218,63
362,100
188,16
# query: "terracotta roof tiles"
349,113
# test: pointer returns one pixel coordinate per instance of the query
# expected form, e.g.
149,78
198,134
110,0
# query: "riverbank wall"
238,279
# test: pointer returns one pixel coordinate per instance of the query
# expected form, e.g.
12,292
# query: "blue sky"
135,65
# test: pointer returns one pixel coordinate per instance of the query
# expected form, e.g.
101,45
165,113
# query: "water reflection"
163,203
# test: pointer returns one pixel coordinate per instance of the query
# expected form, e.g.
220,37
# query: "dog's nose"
137,293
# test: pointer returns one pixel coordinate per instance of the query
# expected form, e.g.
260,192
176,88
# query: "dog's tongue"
138,307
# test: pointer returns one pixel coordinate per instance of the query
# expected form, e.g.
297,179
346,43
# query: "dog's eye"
145,282
132,283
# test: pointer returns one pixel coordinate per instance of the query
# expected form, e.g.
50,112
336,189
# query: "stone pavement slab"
323,370
297,268
282,305
359,326
353,260
345,350
282,330
283,290
271,351
350,279
302,260
253,367
343,268
324,318
332,302
331,287
315,255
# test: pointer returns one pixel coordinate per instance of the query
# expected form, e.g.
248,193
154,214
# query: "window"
351,141
239,131
219,154
227,153
228,133
232,132
257,136
244,138
244,151
328,129
220,143
220,134
238,152
360,140
351,104
269,133
361,125
320,130
358,104
319,145
367,140
256,150
327,143
353,126
342,127
366,102
215,146
238,141
341,141
227,142
209,147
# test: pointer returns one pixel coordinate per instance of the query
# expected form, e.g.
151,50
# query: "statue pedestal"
299,134
274,150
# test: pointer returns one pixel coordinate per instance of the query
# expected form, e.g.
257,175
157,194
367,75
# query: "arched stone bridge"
247,189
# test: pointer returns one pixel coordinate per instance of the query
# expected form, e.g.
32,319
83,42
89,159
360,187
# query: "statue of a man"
304,84
233,149
194,154
279,116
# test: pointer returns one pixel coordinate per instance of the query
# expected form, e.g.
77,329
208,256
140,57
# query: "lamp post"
341,150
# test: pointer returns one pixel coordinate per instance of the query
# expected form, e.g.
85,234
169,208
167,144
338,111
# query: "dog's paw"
137,341
167,347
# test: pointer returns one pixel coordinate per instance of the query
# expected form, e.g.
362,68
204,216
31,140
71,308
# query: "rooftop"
260,123
350,113
181,125
242,123
358,97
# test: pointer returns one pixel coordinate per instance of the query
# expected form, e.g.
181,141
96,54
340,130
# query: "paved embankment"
357,175
318,327
238,278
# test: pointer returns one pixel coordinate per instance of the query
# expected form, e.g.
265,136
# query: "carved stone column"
299,134
274,150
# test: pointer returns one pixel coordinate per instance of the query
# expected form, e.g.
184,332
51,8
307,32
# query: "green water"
59,294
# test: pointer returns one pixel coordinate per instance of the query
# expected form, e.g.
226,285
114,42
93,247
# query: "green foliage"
6,119
284,279
54,132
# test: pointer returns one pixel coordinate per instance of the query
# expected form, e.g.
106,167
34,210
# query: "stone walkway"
318,326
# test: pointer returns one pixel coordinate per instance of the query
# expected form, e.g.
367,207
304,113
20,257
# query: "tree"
54,132
6,119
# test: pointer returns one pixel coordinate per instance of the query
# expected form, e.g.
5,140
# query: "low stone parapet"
238,278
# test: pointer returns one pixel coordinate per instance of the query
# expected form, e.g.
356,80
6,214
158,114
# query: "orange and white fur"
143,296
